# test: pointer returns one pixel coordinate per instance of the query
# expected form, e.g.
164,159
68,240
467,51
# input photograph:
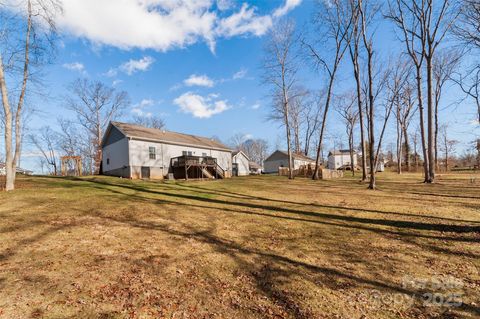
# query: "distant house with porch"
134,151
19,170
240,166
280,159
338,159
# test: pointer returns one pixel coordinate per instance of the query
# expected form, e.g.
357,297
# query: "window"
204,154
189,153
184,152
152,152
108,161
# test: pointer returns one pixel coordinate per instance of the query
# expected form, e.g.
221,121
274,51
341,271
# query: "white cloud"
224,5
162,24
139,108
199,80
116,82
240,74
199,106
288,6
131,66
256,106
244,22
75,66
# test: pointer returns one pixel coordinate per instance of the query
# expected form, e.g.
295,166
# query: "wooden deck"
196,167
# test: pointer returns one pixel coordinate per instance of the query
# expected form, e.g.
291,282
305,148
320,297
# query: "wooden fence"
307,171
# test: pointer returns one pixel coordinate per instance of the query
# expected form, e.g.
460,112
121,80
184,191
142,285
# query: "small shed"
240,164
280,159
338,159
255,169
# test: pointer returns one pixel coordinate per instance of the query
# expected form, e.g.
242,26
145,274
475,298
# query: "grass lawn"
253,247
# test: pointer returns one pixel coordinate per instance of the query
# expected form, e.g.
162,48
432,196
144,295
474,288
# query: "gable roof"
235,153
139,132
294,155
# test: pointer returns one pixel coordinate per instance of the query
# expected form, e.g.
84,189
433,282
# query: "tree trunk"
350,144
324,121
422,125
360,117
431,141
399,145
372,184
407,149
10,173
436,134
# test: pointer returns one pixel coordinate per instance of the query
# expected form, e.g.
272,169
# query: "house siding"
337,161
115,160
159,167
272,165
242,163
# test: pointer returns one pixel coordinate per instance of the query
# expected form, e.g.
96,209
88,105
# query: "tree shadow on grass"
274,268
405,236
245,196
363,220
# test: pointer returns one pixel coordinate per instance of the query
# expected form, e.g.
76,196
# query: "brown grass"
253,247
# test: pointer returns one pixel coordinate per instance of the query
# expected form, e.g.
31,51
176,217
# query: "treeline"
404,92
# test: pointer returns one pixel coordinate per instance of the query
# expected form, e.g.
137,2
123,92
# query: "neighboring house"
255,169
341,159
280,159
19,170
134,151
240,165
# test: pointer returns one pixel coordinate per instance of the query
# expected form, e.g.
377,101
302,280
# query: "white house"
19,170
240,164
280,159
134,151
341,159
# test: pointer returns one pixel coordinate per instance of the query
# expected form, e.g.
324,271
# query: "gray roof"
151,134
295,156
340,152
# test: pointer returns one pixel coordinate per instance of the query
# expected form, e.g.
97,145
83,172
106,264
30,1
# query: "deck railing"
188,160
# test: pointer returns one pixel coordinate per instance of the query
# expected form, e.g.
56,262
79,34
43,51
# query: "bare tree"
95,105
415,141
468,26
333,20
367,37
404,111
298,108
237,140
280,69
448,145
444,65
470,85
354,49
347,109
311,115
26,36
149,121
256,150
45,142
424,25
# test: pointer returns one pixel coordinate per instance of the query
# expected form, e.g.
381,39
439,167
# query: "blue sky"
202,75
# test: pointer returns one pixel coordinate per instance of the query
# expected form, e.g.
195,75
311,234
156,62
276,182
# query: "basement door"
145,172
